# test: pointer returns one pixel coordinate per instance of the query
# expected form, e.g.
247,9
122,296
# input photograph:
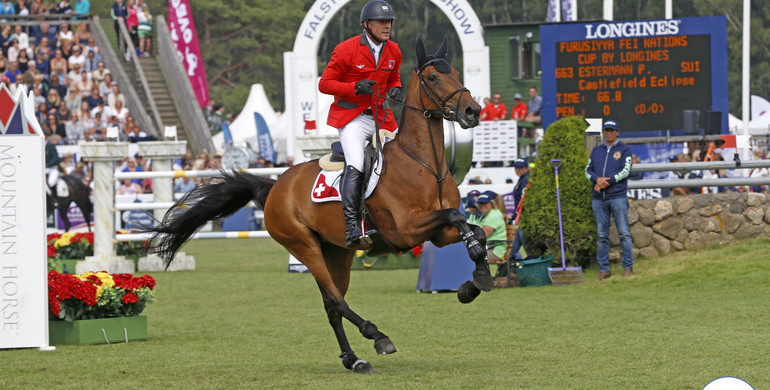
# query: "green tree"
540,220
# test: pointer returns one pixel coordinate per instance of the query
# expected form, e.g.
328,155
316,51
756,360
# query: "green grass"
242,321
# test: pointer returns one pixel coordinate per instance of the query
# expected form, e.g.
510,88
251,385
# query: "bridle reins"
444,111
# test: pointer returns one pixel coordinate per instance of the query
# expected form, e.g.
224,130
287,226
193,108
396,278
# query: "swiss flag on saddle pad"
323,190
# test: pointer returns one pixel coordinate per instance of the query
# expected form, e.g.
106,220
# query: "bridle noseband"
445,111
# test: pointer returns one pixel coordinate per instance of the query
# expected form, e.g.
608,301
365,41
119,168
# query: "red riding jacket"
353,61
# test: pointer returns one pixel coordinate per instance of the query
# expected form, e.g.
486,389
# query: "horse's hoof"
482,278
362,367
467,292
384,346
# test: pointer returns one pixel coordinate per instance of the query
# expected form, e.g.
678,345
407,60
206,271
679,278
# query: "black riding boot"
54,197
351,201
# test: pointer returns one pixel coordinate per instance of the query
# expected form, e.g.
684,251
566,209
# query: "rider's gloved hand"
365,87
396,94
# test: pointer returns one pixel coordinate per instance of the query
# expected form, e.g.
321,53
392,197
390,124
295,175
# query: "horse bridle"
446,112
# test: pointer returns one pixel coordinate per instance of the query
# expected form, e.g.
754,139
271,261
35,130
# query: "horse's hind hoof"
362,367
384,346
467,292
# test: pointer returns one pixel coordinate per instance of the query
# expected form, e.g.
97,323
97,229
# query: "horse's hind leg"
63,208
338,262
349,358
86,215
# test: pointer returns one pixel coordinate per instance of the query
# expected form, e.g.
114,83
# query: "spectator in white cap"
519,109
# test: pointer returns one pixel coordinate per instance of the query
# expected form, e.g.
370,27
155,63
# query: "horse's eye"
432,78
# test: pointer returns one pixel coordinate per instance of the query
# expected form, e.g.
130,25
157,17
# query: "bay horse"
415,201
78,193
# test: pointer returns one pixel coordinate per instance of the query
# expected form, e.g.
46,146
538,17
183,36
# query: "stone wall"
664,225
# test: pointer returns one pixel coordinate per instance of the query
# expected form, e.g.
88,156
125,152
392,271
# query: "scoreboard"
643,74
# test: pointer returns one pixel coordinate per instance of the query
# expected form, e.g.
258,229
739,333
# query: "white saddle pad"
326,187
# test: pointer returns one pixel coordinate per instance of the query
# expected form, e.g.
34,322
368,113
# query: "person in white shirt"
120,112
64,35
102,109
115,96
76,57
23,38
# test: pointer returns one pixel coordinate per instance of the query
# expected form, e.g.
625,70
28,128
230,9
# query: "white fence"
165,205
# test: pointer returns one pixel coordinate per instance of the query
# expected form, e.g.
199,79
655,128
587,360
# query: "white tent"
760,125
759,106
734,123
244,129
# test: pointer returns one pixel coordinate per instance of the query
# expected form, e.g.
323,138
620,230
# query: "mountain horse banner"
182,30
23,261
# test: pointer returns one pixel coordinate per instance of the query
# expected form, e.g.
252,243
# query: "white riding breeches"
53,175
353,137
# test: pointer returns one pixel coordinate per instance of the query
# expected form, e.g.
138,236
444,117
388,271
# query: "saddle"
335,161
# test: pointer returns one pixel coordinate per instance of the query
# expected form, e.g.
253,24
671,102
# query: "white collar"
374,46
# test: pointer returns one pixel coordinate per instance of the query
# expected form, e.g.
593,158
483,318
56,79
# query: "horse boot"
351,203
54,195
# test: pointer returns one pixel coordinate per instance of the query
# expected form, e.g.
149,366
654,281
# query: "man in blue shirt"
521,165
534,114
608,168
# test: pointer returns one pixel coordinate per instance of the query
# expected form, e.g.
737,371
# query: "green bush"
563,140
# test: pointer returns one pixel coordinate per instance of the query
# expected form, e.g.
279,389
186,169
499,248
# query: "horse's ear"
422,55
443,49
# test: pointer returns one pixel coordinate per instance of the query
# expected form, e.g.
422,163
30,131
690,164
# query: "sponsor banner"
495,141
182,30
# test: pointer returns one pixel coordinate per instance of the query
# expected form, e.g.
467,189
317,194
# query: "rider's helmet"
377,10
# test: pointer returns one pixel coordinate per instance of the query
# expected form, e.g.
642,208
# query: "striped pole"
197,236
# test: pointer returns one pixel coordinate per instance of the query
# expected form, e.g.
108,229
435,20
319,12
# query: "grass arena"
241,321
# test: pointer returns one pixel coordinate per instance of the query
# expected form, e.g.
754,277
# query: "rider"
366,64
53,164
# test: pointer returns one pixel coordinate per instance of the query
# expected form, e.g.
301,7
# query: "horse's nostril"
471,112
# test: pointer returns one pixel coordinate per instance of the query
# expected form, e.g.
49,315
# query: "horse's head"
441,92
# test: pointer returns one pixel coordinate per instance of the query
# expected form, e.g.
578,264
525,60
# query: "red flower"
149,281
62,287
130,298
94,279
51,238
51,251
416,251
88,237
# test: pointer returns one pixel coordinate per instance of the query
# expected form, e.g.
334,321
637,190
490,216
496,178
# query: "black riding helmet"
376,10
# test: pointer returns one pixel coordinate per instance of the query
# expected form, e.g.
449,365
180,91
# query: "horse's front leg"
475,241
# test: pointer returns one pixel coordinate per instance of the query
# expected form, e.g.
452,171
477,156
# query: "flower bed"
404,260
64,250
98,295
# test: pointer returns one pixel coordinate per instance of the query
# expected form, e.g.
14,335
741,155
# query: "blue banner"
264,140
227,134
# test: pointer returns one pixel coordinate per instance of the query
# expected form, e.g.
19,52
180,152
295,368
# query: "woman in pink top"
132,22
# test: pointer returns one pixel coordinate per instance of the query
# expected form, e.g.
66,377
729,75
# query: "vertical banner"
23,250
264,140
568,11
182,30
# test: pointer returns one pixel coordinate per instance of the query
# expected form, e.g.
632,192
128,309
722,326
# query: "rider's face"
380,29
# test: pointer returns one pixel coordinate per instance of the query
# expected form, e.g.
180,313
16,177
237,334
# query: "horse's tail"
218,199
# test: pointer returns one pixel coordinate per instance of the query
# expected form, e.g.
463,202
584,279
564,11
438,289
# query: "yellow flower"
106,279
64,240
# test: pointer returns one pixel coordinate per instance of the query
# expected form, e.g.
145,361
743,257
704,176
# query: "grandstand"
154,88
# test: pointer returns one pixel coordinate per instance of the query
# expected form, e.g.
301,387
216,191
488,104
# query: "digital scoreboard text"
644,81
